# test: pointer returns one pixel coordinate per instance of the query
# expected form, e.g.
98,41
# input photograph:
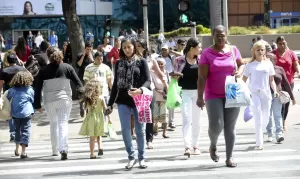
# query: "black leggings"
285,107
150,126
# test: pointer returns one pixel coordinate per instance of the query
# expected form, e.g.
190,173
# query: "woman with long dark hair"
131,75
28,9
22,49
288,60
142,51
188,65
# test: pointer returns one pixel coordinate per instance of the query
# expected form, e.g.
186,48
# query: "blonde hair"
259,44
22,78
92,93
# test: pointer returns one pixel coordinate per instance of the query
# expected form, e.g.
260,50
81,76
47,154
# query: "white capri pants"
59,113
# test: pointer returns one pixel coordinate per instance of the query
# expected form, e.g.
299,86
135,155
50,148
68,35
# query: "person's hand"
294,102
200,103
134,92
237,74
109,110
276,95
41,110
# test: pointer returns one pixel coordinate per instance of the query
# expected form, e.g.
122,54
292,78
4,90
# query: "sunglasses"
182,44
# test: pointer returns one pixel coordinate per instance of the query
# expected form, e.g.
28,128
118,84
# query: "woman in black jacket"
131,73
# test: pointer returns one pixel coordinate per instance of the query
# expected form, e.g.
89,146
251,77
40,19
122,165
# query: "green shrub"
184,31
289,29
263,30
234,30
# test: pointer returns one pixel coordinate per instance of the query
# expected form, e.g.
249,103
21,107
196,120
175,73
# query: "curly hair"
92,93
22,78
55,55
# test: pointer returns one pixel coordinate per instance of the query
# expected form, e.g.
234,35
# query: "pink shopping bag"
142,103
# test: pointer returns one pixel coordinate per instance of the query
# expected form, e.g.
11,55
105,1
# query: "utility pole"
145,15
193,29
161,15
225,14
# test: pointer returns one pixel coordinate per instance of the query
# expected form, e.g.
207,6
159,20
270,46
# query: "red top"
27,54
286,62
114,53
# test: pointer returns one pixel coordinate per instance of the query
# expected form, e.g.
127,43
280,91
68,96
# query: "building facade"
251,12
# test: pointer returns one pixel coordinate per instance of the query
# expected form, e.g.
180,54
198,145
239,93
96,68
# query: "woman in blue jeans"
282,84
131,74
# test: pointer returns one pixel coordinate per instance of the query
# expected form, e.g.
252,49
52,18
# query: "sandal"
16,154
164,136
93,157
187,152
230,163
214,154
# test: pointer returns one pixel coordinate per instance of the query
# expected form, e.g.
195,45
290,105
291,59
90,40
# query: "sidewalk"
41,127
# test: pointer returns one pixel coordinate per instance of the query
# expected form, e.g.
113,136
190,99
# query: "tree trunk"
74,28
75,34
215,11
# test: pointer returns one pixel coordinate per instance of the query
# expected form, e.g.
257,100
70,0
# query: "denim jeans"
23,127
124,115
276,111
12,128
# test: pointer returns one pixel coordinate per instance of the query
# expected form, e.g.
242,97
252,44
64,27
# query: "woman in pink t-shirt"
215,64
288,60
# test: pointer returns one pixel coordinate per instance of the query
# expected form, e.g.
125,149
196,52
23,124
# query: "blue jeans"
23,127
276,110
124,115
12,128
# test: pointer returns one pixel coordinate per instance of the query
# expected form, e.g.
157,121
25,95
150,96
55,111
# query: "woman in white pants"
188,66
54,79
261,76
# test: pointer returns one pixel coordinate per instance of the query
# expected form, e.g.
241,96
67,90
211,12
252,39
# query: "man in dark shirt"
6,76
83,60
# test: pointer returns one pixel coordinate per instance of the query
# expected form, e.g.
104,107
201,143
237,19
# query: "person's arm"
38,90
114,89
246,73
177,54
109,78
296,63
159,73
202,77
271,79
103,104
80,60
146,73
31,96
286,85
74,77
239,62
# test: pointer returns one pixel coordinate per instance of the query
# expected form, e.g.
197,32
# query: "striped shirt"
102,73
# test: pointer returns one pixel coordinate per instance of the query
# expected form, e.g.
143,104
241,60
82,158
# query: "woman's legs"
125,116
285,110
195,121
186,112
51,113
92,145
140,135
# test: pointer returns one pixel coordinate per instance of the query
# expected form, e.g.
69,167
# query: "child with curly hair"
21,95
93,124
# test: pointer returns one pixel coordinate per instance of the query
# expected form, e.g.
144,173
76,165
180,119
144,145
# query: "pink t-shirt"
220,66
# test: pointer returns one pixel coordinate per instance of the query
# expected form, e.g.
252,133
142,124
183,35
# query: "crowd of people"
38,81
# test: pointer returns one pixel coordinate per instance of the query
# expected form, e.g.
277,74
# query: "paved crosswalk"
166,160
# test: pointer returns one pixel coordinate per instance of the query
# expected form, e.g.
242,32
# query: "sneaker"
55,154
280,139
143,164
270,139
130,164
172,126
64,155
259,148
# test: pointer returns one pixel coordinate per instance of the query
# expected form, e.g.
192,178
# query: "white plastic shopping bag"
237,92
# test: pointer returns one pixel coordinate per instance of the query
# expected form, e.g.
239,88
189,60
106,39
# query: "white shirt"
38,40
161,37
169,64
259,76
171,44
